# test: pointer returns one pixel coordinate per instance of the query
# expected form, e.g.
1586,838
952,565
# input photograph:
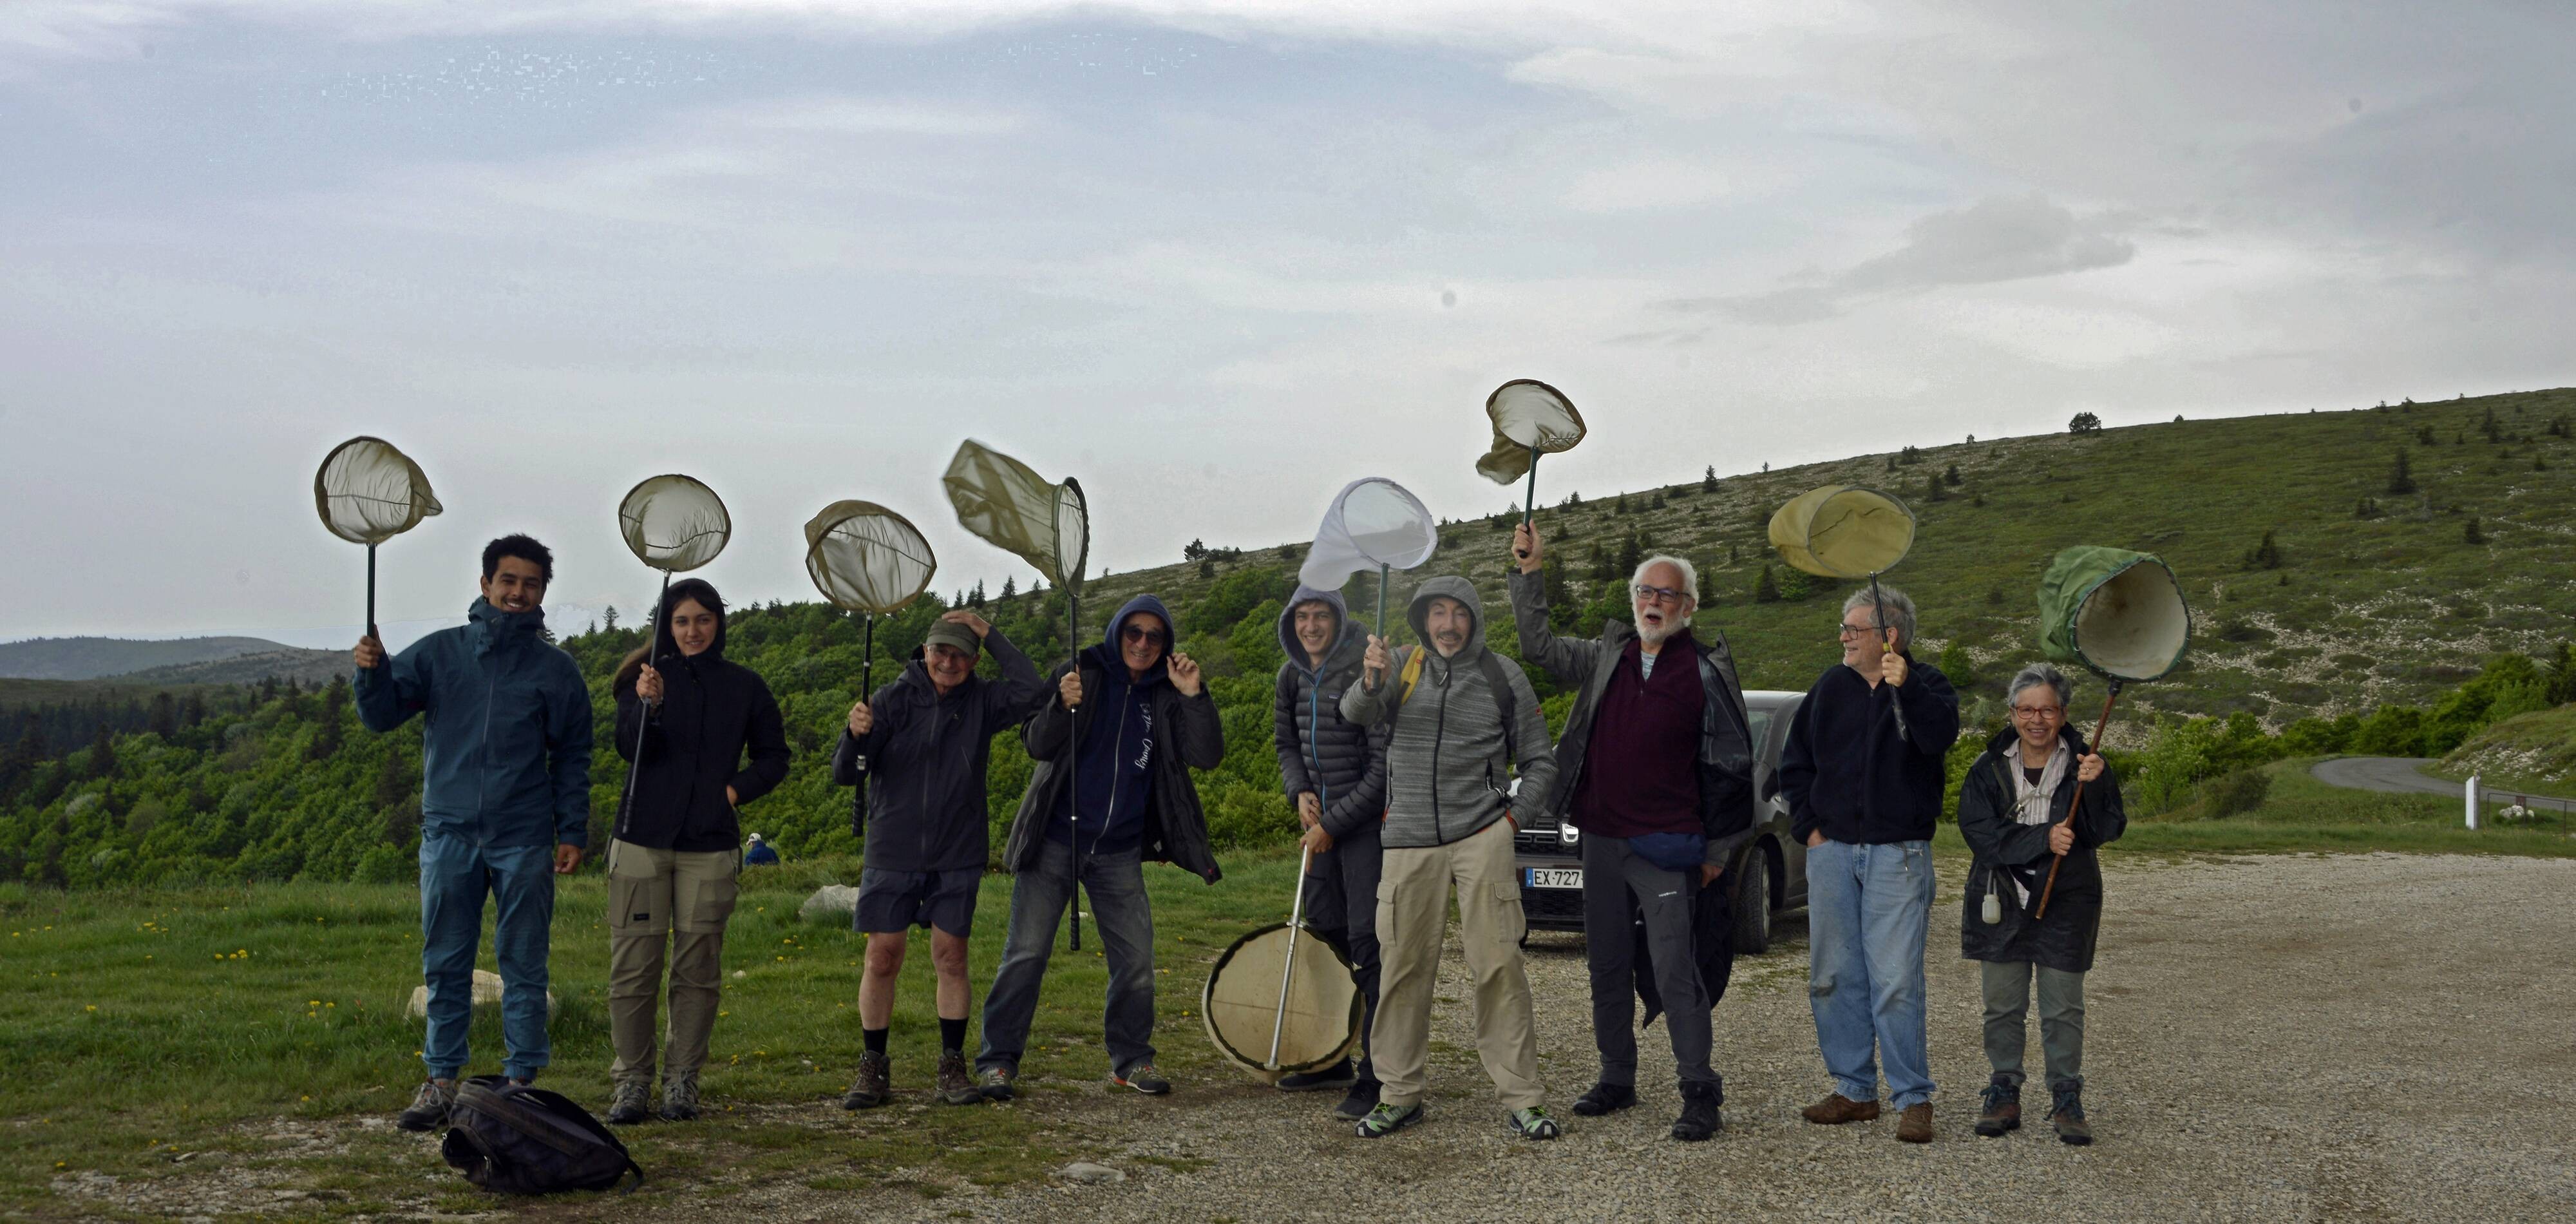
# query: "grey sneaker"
1533,1123
1143,1078
680,1097
632,1104
956,1083
429,1106
995,1083
875,1085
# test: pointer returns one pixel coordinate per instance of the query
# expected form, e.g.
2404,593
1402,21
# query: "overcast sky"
1212,259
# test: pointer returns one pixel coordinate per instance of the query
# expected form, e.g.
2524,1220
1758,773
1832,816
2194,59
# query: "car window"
1761,727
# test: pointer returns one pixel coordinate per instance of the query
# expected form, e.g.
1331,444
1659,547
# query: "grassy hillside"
2376,597
283,663
88,658
2534,753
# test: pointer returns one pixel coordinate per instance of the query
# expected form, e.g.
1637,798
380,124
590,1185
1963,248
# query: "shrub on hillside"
2233,794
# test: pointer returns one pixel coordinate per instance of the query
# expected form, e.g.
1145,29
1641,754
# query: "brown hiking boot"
1915,1124
2002,1108
956,1082
2066,1113
1837,1109
875,1085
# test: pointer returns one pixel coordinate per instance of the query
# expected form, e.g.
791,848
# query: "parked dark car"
1769,872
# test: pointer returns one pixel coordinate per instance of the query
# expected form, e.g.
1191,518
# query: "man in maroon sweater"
1663,794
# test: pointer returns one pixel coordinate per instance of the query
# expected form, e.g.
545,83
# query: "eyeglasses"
1658,594
2043,713
1853,631
1139,633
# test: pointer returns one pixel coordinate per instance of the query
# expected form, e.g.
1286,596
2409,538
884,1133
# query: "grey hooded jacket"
1445,772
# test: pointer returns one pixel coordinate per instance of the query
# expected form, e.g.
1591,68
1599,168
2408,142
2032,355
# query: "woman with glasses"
2013,812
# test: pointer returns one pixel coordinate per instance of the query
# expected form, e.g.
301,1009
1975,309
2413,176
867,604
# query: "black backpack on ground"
520,1139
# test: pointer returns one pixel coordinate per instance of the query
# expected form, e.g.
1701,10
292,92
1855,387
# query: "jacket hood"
1351,638
1111,656
501,628
1451,586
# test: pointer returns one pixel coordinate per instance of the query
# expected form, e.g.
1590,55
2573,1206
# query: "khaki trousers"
658,898
1412,915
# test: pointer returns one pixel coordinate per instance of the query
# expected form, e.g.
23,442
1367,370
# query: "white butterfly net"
1373,521
674,523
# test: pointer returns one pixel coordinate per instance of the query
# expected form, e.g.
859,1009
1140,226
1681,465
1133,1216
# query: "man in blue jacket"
505,804
1864,771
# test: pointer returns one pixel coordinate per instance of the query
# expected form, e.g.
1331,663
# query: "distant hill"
90,658
283,663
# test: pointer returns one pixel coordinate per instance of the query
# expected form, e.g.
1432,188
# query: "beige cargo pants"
1412,917
674,902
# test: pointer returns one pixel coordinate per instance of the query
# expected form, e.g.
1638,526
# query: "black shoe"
1339,1075
1605,1097
632,1103
1701,1117
1359,1101
2001,1108
429,1106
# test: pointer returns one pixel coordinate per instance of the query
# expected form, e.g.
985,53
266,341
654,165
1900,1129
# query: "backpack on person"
518,1139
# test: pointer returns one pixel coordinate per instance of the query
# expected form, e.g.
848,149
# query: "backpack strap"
1409,675
1504,699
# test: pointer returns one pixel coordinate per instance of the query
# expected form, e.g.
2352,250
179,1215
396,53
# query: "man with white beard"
1656,769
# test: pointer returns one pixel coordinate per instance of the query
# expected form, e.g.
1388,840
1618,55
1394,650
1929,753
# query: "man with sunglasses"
1111,792
1864,771
1657,771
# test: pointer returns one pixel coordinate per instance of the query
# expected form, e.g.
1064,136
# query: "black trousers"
1341,905
1620,891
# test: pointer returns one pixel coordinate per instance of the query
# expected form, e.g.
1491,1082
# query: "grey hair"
1900,609
2035,675
1690,573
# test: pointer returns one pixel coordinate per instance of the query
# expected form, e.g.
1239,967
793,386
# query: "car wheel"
1753,905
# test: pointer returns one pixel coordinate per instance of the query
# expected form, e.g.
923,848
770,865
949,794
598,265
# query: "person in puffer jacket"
1459,719
1334,772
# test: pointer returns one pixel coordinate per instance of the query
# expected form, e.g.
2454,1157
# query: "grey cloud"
2000,238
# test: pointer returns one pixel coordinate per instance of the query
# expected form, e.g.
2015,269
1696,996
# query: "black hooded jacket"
2064,940
1319,750
713,711
927,757
1857,770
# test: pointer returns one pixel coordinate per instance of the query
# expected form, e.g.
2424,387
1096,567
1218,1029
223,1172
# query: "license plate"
1552,877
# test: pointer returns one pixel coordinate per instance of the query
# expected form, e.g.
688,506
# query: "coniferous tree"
1766,589
2401,478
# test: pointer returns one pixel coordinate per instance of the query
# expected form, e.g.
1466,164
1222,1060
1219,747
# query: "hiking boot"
632,1103
1837,1109
1387,1119
1357,1103
680,1097
2066,1113
1915,1124
1700,1116
995,1083
1605,1097
1143,1078
875,1085
2002,1108
1339,1075
1533,1123
429,1106
956,1082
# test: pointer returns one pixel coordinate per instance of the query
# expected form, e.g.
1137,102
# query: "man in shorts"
925,740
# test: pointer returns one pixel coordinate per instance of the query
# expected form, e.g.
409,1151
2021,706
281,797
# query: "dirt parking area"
2365,1037
2289,1037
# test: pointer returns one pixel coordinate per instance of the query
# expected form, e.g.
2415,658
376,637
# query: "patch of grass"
141,1025
2532,754
2301,814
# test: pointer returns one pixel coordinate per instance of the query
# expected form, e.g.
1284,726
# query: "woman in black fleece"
672,864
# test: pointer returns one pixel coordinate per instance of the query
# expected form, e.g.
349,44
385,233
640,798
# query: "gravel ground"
2357,1037
2275,1037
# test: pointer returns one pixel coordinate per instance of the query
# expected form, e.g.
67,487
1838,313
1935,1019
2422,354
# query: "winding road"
2402,775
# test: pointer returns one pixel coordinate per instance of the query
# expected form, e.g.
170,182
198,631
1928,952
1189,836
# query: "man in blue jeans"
1863,774
1111,792
505,804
